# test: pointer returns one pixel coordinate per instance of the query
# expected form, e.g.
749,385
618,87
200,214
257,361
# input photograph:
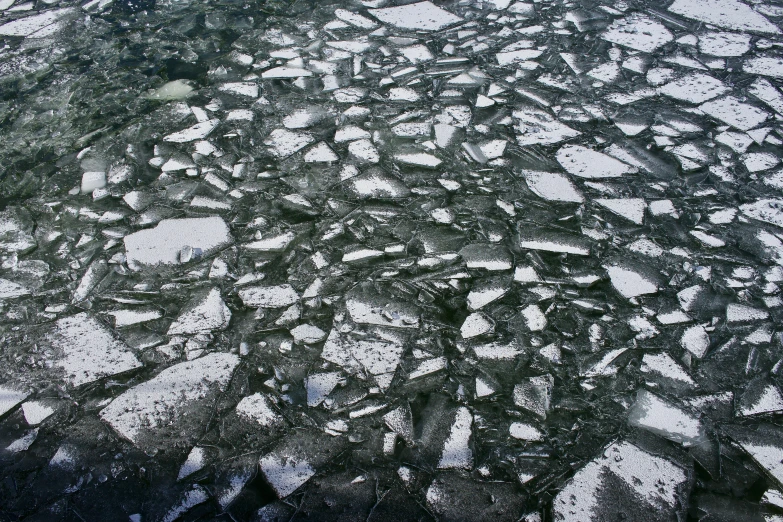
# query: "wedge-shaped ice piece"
760,397
552,186
163,244
89,350
191,498
457,453
294,460
204,313
400,421
23,443
476,324
654,414
10,289
319,385
638,32
151,412
767,210
663,365
258,409
198,131
10,397
418,159
694,88
30,24
635,481
421,16
538,127
553,241
285,72
195,462
483,294
764,444
364,151
277,296
355,19
732,111
535,320
631,209
350,133
587,163
768,93
630,283
729,14
35,412
365,309
376,184
320,153
428,367
534,394
282,142
272,243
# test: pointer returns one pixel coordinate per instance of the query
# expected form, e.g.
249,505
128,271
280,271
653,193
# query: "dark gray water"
389,261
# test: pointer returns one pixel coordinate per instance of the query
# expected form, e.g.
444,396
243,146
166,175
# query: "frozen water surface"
391,260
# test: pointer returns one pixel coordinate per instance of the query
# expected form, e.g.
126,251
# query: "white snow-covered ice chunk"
192,498
364,151
378,358
429,366
421,16
355,19
403,94
308,334
92,181
303,118
416,53
276,296
174,90
696,340
162,245
456,450
320,385
736,141
519,55
694,88
23,443
638,32
552,186
35,412
673,317
30,24
285,72
177,163
728,14
539,127
320,153
526,274
724,44
400,421
258,409
554,243
587,163
131,317
768,93
89,350
534,318
247,89
525,431
760,400
10,397
498,351
767,210
631,209
649,479
646,247
658,416
361,254
476,324
482,296
285,473
195,461
203,314
732,111
382,312
272,243
282,142
630,283
739,313
157,404
662,364
198,131
708,240
10,289
418,159
350,133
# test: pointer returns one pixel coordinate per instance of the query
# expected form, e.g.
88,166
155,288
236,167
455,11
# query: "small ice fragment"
258,408
195,462
630,283
696,340
456,450
631,209
476,324
552,186
204,313
534,394
277,296
525,431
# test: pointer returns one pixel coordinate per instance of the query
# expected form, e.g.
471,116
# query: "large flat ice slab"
162,245
422,16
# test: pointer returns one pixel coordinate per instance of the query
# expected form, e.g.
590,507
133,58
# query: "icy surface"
455,260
